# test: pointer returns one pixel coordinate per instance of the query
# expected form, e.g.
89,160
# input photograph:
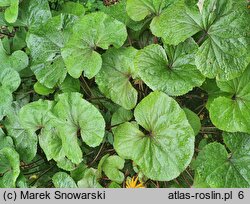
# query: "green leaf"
139,9
25,141
45,44
170,70
89,179
70,85
230,110
11,12
9,79
166,147
35,116
77,117
9,167
111,167
5,141
115,11
95,30
18,60
52,144
5,101
220,169
33,13
73,8
193,120
120,116
224,39
63,180
42,90
114,78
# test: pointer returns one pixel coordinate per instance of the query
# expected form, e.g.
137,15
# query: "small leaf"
18,60
63,180
89,179
112,166
193,120
42,90
9,79
11,12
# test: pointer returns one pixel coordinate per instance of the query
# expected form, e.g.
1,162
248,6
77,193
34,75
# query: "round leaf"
170,70
166,147
95,30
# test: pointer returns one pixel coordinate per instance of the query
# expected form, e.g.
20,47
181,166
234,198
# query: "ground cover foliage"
124,93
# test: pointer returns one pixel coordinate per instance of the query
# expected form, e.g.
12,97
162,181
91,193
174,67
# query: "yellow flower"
132,183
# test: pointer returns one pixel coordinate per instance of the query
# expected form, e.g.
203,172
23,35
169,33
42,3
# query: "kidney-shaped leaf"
223,51
230,111
111,166
221,169
114,77
166,146
170,70
93,31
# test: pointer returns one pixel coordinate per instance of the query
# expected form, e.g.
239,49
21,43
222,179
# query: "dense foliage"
115,92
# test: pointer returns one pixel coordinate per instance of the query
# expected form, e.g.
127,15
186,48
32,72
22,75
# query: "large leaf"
93,31
229,111
63,180
114,78
166,146
45,45
170,70
78,118
223,51
18,60
220,169
9,167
